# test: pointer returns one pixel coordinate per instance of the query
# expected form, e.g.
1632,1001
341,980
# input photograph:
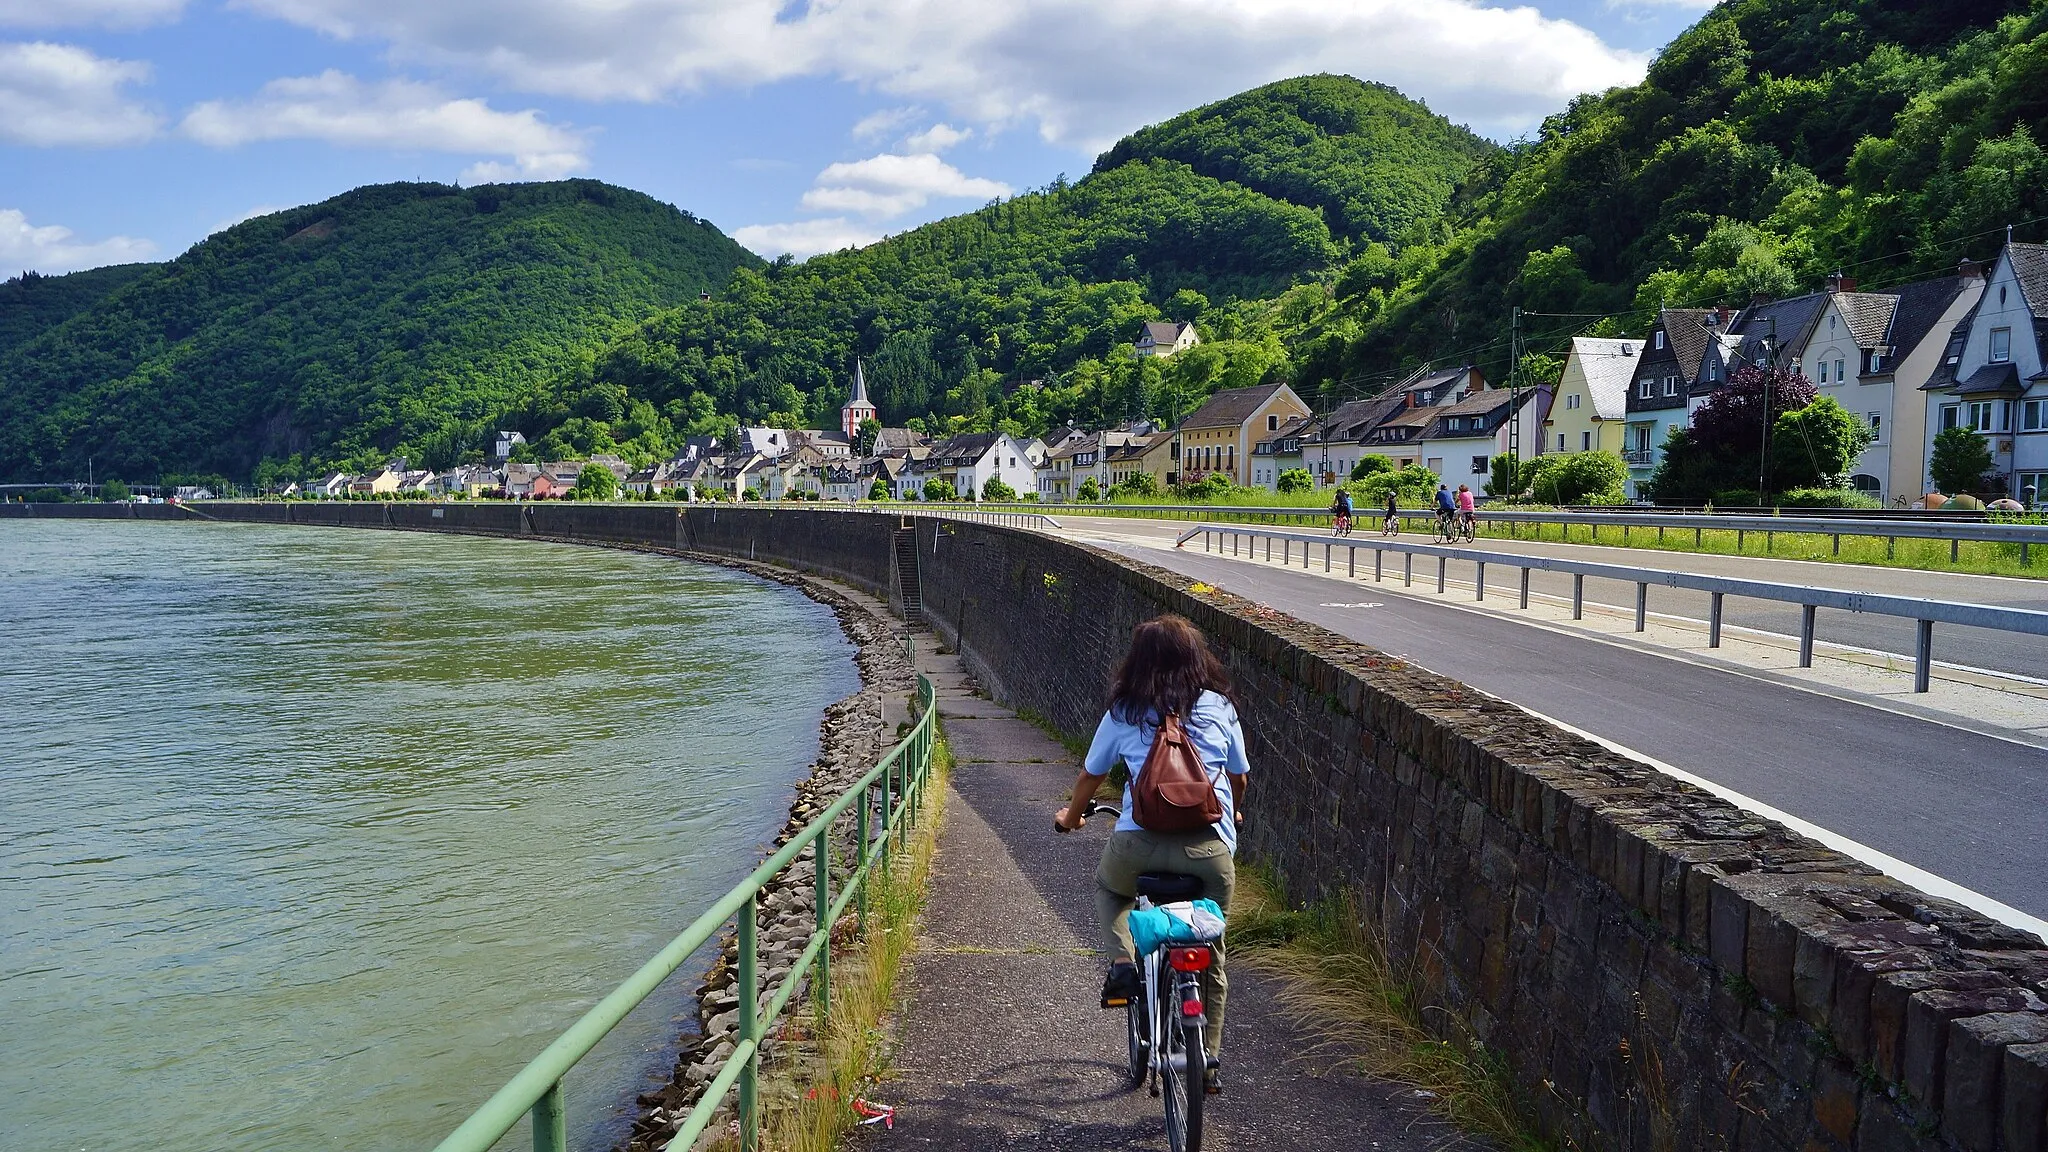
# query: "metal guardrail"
1926,612
536,1091
1007,515
1955,532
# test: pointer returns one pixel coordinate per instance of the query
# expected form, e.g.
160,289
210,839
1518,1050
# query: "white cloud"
398,114
54,248
937,138
890,185
251,214
876,125
53,94
98,13
1081,72
804,238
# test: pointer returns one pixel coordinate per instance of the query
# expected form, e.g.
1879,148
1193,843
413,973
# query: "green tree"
1371,464
995,489
1817,445
1578,478
596,482
1295,480
1136,486
1089,490
879,490
865,436
938,488
1960,460
113,491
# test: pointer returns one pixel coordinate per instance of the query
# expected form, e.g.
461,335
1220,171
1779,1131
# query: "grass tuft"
1339,984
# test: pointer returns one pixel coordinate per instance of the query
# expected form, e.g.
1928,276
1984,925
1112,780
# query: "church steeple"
858,407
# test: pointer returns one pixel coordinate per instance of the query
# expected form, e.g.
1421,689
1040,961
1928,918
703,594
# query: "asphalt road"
2004,652
1969,808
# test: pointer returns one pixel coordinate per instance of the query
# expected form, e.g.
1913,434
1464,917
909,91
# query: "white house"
1164,339
1991,378
971,459
1461,444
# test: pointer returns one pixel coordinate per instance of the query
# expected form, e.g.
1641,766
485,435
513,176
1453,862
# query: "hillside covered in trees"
401,315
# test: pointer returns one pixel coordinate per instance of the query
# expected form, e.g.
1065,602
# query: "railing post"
1481,582
1714,621
1955,548
1352,557
1806,613
750,1025
1578,596
1286,553
1443,564
1923,659
550,1122
888,817
1326,556
860,835
1642,606
1379,564
820,849
1408,569
1525,587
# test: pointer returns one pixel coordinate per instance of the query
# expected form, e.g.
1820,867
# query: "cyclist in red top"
1466,516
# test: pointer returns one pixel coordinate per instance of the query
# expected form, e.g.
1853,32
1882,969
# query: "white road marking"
1360,604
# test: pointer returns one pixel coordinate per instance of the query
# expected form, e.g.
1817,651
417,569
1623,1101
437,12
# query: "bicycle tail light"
1189,959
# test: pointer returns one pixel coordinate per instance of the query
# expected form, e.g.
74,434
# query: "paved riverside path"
1961,805
1002,1043
2001,651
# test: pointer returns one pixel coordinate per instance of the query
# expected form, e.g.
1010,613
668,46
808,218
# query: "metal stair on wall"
908,588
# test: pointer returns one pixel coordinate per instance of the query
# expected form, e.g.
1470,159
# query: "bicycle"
1444,530
1392,526
1163,1023
1341,526
1467,526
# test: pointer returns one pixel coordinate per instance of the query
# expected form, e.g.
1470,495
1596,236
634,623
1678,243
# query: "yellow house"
1219,436
384,481
1588,414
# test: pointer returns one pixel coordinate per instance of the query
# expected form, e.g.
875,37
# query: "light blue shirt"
1212,725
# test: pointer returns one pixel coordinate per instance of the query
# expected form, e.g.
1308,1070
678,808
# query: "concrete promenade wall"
1660,969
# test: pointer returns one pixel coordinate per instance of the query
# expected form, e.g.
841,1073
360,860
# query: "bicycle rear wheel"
1138,1041
1180,1075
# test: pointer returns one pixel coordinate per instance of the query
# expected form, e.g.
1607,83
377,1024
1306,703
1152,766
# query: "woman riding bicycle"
1168,670
1393,522
1340,511
1467,514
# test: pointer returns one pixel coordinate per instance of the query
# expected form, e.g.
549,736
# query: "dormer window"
1660,341
2001,345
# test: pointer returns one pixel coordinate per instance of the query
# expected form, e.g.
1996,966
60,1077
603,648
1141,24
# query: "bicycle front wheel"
1180,1078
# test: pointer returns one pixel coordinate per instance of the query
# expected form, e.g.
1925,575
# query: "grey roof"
1869,315
1348,422
1991,378
1608,366
1921,305
1231,407
2030,268
1163,331
859,399
1686,331
1789,322
968,446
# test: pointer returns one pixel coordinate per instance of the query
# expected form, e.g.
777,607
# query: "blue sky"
131,129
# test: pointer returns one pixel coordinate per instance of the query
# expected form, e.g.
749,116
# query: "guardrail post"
1596,531
1741,535
1838,543
750,1025
1806,614
1379,564
1890,543
1481,582
888,819
1923,658
1714,621
550,1122
1326,557
1955,550
1408,569
1351,555
819,848
1286,553
1578,596
1642,605
1443,564
860,835
1525,587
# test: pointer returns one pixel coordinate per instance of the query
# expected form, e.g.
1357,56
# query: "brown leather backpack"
1173,792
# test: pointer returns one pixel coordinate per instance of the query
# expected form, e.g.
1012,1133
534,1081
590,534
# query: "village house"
1278,452
1661,387
1992,378
1157,338
1461,444
970,460
1590,410
1218,437
332,487
501,450
384,481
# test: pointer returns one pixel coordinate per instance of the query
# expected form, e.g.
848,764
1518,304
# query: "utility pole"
1515,397
1763,463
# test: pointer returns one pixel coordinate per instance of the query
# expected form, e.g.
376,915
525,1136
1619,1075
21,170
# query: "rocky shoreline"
853,736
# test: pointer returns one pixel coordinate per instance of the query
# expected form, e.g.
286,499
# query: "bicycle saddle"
1168,887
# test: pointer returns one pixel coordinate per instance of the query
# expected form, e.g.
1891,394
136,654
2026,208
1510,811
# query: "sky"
132,129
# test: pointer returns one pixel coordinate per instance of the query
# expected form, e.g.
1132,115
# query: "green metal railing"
537,1089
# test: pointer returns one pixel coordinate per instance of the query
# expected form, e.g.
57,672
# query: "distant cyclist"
1467,514
1340,508
1393,524
1446,507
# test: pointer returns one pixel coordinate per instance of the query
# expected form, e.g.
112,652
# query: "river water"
309,838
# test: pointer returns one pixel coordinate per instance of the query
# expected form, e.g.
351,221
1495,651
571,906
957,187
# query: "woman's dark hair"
1167,669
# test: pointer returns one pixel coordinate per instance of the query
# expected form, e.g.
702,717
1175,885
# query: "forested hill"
1210,217
393,315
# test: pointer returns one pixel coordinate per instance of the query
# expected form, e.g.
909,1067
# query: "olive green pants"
1202,854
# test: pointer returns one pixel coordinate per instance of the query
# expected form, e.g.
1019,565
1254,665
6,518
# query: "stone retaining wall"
1661,969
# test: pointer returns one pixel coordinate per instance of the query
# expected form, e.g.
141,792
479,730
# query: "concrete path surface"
1002,1043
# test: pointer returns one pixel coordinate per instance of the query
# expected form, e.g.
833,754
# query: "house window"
2034,416
2038,481
1571,402
1823,373
1977,417
2001,345
1479,465
1272,422
1643,389
1840,376
1671,385
1560,441
1951,416
1660,340
1586,441
1876,421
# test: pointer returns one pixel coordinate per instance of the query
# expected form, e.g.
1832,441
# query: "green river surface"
310,838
